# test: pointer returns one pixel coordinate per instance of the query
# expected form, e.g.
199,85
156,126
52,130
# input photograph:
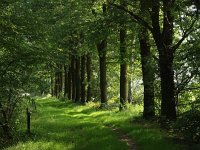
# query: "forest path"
64,125
125,138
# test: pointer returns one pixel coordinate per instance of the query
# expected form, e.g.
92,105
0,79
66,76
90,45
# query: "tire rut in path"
124,138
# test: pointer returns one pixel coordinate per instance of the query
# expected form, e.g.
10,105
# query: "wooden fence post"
28,114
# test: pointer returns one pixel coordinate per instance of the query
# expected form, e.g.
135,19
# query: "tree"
83,66
89,73
147,68
123,63
78,80
73,78
101,47
20,58
163,34
102,60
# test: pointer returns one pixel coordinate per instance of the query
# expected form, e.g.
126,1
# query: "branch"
3,112
134,16
192,88
181,86
185,35
155,57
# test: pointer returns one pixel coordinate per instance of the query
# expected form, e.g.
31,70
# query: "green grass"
67,126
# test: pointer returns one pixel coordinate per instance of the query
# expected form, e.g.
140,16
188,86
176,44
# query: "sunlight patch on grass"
41,145
66,125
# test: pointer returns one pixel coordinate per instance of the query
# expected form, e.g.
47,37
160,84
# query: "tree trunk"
6,130
89,73
4,123
83,79
130,91
164,42
130,82
66,90
78,79
102,60
168,107
101,47
56,91
52,86
123,68
69,83
60,81
148,74
73,78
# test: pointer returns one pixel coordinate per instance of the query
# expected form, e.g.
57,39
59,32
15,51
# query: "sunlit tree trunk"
130,91
89,73
130,81
52,86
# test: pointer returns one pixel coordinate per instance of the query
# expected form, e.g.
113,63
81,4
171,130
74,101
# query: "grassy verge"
66,126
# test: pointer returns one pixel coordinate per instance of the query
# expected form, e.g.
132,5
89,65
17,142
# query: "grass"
67,126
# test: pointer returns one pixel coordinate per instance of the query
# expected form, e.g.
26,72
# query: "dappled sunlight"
40,145
99,74
65,125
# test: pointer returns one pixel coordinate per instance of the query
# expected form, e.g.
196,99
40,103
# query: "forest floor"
58,125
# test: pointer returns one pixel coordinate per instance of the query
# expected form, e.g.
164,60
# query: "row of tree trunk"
165,48
75,73
71,81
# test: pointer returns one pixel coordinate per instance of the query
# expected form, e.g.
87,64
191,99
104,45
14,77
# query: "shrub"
188,125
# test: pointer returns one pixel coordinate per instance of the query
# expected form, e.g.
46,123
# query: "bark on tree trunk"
56,84
83,79
130,82
66,90
6,130
4,123
101,47
147,66
164,41
123,68
69,83
89,73
148,75
130,92
52,86
78,85
60,81
168,107
73,78
102,60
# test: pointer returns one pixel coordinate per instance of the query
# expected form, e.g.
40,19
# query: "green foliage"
21,56
37,35
188,125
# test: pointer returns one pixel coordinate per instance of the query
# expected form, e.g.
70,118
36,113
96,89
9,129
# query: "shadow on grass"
67,125
63,125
